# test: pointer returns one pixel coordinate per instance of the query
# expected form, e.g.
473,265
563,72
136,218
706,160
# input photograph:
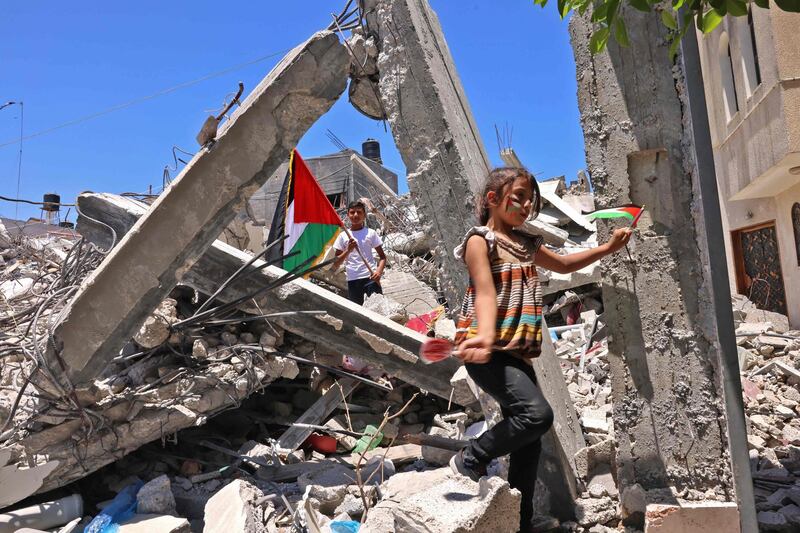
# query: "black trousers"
526,417
358,289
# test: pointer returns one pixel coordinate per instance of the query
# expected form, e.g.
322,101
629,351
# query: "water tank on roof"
51,201
371,149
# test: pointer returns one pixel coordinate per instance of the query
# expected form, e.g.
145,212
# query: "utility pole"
19,157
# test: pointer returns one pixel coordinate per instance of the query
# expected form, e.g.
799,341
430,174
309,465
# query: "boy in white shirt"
360,283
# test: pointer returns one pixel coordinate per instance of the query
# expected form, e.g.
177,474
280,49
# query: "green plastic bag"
364,444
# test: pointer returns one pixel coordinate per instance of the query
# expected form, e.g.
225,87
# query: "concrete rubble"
295,409
159,401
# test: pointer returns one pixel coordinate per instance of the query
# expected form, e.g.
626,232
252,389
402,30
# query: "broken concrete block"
701,517
603,485
155,497
590,511
462,390
780,323
416,297
588,459
352,505
438,500
792,514
633,501
15,288
385,306
156,327
153,523
417,243
233,509
791,434
117,297
271,339
329,498
18,483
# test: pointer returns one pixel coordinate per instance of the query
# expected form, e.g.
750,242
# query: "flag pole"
638,216
358,248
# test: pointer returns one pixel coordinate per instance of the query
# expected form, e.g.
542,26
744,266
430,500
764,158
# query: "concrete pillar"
185,220
666,363
432,125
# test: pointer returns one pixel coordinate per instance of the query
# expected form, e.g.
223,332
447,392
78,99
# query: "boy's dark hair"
357,204
499,179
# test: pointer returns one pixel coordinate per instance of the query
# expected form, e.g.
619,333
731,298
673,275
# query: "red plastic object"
423,323
321,443
435,350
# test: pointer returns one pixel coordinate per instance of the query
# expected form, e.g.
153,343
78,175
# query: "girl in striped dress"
500,326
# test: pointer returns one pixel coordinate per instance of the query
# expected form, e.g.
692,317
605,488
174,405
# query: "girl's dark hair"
498,180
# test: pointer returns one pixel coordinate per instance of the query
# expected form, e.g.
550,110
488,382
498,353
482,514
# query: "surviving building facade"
751,71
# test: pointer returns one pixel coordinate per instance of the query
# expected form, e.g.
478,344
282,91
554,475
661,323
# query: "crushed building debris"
222,394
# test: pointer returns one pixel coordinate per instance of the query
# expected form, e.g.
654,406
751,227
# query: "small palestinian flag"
305,216
630,211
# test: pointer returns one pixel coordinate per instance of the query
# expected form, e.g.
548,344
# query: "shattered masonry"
246,425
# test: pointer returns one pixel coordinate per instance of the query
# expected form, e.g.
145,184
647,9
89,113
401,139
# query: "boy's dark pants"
526,417
358,289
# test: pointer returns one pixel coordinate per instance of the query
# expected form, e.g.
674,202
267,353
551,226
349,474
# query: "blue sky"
66,60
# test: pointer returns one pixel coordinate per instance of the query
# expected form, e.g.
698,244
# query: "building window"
336,200
796,226
729,100
752,70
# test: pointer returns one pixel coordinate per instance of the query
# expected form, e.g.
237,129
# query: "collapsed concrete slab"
438,500
432,125
125,421
198,205
345,327
234,508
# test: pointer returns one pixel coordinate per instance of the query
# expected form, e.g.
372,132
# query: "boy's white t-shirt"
367,239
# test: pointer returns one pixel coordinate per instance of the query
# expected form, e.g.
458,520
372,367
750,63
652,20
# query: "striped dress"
519,295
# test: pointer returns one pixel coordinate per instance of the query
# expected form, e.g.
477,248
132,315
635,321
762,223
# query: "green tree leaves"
676,15
708,21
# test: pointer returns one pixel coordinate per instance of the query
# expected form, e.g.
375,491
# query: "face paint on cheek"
512,206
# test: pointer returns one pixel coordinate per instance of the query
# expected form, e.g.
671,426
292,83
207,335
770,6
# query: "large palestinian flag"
304,215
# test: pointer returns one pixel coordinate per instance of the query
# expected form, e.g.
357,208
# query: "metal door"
758,267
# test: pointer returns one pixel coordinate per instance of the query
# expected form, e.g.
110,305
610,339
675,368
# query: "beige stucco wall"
763,137
789,259
767,125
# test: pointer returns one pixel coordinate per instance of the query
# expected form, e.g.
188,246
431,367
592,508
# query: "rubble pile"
164,388
769,359
202,422
38,274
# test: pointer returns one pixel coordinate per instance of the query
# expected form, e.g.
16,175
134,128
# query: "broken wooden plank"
293,437
346,327
398,454
153,257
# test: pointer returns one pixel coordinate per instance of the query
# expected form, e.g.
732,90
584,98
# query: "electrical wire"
145,98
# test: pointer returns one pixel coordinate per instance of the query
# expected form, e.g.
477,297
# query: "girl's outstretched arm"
479,349
564,264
